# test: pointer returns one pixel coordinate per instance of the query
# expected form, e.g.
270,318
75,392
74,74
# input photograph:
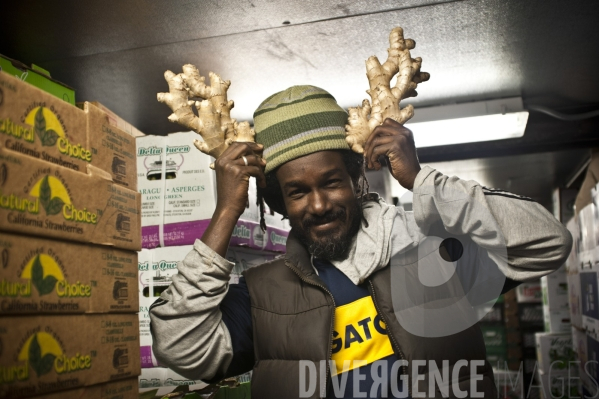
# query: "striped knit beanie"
297,122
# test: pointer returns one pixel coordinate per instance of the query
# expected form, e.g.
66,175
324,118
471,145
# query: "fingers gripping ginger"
385,100
213,121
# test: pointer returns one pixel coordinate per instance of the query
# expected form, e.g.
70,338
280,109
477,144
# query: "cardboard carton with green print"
43,199
40,276
40,125
42,354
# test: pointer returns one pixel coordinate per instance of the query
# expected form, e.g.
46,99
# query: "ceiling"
116,52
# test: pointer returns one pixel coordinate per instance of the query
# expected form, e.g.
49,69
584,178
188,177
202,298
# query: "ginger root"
213,120
385,100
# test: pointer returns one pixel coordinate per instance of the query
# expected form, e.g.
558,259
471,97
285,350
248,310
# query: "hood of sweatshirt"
390,231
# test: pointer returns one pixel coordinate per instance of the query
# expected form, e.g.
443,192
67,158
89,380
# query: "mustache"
310,221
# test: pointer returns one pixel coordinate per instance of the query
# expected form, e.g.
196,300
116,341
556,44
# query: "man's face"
321,203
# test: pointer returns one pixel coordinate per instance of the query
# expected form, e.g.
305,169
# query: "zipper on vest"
289,265
392,338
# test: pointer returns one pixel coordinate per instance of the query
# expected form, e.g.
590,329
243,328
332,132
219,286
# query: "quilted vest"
293,316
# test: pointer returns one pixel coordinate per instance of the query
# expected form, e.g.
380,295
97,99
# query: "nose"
319,203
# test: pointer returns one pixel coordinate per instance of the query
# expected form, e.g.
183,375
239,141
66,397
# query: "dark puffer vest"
293,319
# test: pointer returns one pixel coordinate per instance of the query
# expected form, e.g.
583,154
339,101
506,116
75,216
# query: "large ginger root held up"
213,121
385,100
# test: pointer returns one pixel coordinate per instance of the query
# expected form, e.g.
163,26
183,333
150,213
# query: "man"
336,294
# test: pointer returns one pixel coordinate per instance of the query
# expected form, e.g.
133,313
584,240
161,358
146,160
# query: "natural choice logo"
48,129
43,353
54,198
48,137
44,285
45,274
52,205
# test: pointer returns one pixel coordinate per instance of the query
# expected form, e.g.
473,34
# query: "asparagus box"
117,121
163,381
575,299
156,269
120,389
42,126
178,191
554,351
43,354
113,150
39,198
40,276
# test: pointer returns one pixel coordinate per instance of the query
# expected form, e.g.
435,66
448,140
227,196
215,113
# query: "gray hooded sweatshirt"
523,240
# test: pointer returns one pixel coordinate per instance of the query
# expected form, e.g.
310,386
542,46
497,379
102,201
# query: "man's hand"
234,168
396,143
233,176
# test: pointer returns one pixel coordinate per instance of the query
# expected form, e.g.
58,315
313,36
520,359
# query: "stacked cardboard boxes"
177,209
178,191
582,278
557,372
69,231
156,268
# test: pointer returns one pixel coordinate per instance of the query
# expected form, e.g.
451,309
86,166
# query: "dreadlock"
273,196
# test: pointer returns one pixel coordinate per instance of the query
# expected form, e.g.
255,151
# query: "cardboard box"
530,316
590,180
592,366
586,223
46,276
177,209
156,269
119,122
164,381
575,299
495,337
555,290
595,197
120,389
579,344
42,354
587,371
113,150
37,124
557,322
39,198
590,304
559,385
554,351
245,259
530,292
37,77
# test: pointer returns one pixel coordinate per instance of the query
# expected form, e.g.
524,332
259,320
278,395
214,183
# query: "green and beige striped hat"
297,122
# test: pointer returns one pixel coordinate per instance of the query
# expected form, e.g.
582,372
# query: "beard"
330,245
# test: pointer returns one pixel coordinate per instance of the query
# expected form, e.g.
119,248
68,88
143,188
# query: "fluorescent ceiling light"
469,122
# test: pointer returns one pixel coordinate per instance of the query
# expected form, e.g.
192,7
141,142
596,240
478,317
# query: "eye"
333,182
295,193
